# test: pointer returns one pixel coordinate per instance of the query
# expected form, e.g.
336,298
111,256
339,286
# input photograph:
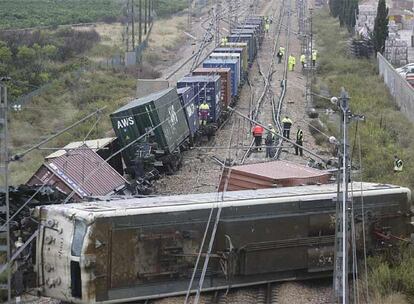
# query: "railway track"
267,95
263,98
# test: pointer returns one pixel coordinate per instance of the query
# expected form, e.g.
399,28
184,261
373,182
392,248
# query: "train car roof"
121,206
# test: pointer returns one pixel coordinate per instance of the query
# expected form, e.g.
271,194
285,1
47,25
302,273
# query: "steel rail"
267,78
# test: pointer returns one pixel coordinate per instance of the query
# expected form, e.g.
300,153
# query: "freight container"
225,78
256,21
188,102
244,38
205,88
141,115
241,51
254,39
258,30
217,55
243,45
226,63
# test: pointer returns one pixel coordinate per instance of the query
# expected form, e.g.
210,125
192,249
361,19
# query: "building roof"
85,172
94,144
272,174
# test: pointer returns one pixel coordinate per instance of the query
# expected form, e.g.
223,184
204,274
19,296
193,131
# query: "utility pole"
216,12
140,22
230,5
4,176
145,16
189,15
343,206
133,23
127,26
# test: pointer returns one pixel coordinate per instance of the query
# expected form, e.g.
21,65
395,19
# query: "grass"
166,37
67,100
386,131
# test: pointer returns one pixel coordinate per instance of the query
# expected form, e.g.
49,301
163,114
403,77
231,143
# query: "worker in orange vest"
257,134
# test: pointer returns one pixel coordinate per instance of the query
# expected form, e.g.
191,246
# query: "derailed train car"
131,249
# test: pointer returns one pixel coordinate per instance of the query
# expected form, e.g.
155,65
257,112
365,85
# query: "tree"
335,7
5,53
346,11
380,33
25,54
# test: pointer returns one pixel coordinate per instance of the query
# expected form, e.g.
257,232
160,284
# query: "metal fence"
399,88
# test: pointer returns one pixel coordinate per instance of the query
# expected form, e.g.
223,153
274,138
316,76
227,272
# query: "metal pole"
145,16
4,105
133,24
140,22
345,178
127,27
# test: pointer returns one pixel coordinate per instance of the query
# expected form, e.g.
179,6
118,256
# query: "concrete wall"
399,88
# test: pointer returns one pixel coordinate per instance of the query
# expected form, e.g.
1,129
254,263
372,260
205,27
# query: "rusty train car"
122,250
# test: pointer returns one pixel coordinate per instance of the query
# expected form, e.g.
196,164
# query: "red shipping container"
225,77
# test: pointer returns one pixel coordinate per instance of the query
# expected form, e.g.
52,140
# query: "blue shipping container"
232,55
189,103
244,38
206,88
226,63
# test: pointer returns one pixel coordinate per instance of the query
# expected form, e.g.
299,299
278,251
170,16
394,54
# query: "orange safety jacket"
258,130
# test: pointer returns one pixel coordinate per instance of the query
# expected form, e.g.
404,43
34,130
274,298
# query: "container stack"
396,49
366,17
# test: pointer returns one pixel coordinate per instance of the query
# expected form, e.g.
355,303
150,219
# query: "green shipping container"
142,114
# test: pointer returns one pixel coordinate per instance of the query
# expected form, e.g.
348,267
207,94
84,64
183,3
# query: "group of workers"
258,132
292,59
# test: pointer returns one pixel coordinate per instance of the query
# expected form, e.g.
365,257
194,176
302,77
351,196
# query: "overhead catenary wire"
363,220
213,234
37,146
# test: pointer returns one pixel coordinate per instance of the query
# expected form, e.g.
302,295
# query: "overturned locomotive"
140,248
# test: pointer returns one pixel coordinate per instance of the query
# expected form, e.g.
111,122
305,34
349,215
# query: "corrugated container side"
205,88
243,45
252,35
244,38
225,78
215,55
140,115
230,55
241,51
175,129
188,102
226,63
